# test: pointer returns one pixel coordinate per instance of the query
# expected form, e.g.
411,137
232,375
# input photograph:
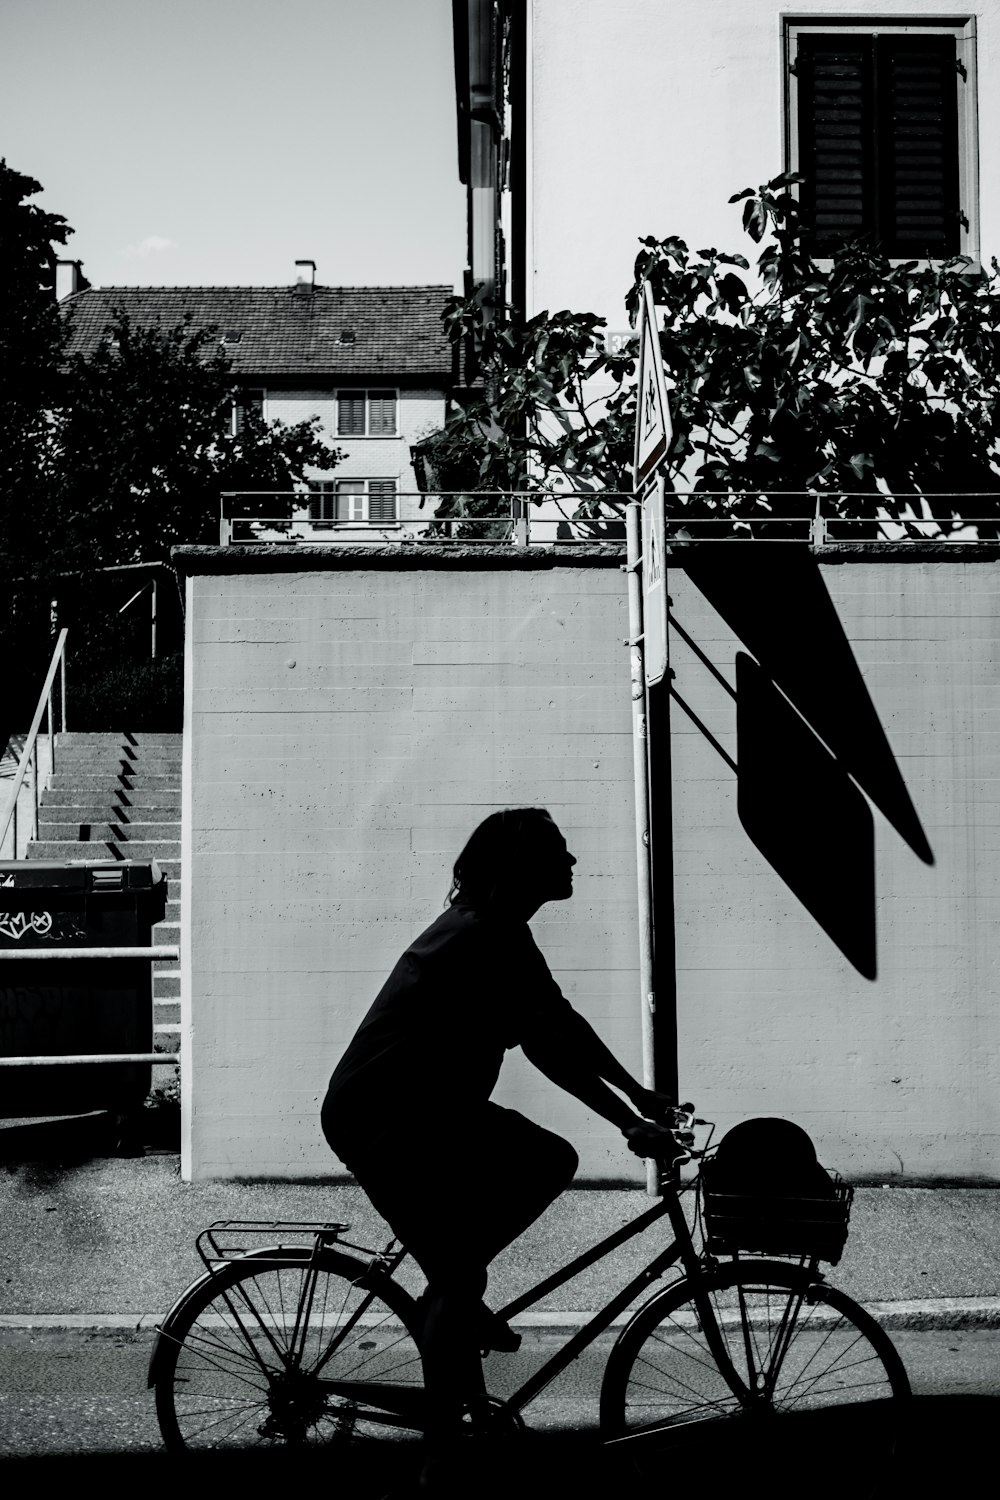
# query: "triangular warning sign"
652,418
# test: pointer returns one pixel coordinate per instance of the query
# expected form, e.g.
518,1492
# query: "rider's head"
515,859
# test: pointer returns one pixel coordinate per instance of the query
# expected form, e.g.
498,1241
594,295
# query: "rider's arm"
551,1055
547,1050
583,1050
567,1049
593,1053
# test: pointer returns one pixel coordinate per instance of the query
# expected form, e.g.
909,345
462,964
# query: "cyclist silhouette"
408,1110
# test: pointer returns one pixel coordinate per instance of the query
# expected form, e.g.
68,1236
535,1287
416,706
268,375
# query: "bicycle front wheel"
801,1351
278,1348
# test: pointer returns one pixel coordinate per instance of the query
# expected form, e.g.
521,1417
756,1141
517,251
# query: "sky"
216,142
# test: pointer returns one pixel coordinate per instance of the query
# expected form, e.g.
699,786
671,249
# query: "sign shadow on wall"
808,737
805,815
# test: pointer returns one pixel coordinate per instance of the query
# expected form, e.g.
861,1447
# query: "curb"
928,1314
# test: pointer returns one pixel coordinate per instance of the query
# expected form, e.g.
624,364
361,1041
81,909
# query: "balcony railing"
530,517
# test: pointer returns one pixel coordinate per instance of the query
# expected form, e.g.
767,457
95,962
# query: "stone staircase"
118,796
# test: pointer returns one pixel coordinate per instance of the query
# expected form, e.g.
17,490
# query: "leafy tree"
143,444
537,420
108,459
874,384
32,341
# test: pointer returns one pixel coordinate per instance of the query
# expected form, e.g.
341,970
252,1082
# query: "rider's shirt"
431,1046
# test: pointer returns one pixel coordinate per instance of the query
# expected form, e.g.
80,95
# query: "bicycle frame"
682,1249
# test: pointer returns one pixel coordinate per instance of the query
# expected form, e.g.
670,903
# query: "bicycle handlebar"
681,1122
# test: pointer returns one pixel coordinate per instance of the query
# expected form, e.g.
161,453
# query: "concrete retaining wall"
345,731
893,1076
348,721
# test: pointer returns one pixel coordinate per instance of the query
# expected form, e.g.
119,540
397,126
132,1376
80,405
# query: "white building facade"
374,364
584,126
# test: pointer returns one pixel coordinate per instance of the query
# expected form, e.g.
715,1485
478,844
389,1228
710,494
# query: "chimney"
305,277
69,278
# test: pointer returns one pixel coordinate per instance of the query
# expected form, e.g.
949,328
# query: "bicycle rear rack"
216,1244
231,1239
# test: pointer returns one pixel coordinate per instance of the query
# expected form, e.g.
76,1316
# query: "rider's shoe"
492,1332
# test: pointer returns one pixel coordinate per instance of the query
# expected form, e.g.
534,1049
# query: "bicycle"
303,1344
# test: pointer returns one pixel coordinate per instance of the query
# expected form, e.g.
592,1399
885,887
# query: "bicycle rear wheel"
807,1355
279,1349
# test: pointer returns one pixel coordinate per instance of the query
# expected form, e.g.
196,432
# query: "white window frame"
359,499
963,29
367,392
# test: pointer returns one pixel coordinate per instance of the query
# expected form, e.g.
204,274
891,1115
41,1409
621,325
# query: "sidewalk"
110,1242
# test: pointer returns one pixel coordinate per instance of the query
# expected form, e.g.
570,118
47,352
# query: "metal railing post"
34,783
52,734
62,688
29,754
817,527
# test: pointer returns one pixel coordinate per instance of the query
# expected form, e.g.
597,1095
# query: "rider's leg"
520,1170
454,1205
453,1373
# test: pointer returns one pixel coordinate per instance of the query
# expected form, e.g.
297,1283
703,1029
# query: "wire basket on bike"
765,1192
814,1228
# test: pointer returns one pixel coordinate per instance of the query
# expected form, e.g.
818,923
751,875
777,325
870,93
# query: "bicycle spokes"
293,1354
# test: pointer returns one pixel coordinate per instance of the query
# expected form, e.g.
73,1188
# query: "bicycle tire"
226,1373
834,1377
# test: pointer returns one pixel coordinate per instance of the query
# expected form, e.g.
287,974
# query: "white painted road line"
928,1313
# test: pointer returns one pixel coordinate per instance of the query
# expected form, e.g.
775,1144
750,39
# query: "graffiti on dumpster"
15,924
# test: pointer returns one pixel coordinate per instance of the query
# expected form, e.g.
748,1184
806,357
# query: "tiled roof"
283,331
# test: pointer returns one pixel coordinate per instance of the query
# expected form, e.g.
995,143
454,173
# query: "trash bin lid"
79,874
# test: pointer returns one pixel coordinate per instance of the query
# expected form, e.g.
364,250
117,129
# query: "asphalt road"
82,1394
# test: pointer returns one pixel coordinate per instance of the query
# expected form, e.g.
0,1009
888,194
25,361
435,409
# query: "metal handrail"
164,951
29,754
515,514
816,520
82,1059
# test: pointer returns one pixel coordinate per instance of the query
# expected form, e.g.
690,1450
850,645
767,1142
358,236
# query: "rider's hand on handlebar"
653,1104
646,1138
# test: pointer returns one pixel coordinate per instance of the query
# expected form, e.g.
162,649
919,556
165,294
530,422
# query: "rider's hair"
498,855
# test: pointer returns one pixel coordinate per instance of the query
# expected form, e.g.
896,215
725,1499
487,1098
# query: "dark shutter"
248,401
878,141
381,499
351,414
382,413
322,501
836,137
918,136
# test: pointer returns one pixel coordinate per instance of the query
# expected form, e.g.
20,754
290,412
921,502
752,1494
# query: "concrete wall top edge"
278,558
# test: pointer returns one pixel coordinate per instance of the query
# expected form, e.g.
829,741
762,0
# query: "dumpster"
62,1007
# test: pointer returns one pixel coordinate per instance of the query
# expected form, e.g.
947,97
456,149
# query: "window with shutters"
366,413
247,401
343,501
881,123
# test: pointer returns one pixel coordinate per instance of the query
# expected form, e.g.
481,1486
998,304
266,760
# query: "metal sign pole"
648,611
661,841
640,768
